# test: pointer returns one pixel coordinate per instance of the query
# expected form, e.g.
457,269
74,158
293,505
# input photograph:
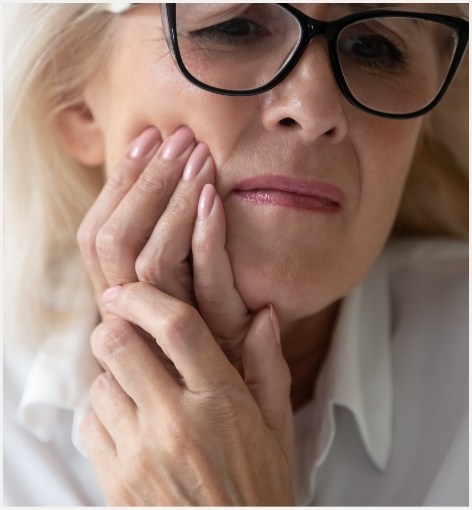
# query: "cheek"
385,151
164,98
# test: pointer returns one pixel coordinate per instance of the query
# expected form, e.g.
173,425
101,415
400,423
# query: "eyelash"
399,58
213,33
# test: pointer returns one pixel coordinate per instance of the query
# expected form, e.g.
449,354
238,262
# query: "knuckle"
149,269
110,337
86,239
98,386
88,424
154,179
122,178
108,242
179,204
156,264
183,324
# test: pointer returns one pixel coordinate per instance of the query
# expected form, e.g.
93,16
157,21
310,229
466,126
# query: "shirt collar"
356,375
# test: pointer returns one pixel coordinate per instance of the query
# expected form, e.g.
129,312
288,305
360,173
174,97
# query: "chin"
293,293
276,262
281,271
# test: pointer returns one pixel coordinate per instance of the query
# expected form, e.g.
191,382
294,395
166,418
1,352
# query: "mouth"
281,191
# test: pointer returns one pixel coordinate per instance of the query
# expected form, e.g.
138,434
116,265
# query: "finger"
123,236
131,361
266,372
164,261
103,457
97,442
116,411
178,329
119,183
218,299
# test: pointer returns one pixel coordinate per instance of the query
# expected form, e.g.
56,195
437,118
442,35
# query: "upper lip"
292,185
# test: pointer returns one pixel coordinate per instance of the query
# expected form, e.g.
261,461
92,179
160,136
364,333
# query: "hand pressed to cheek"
164,260
211,438
124,234
116,188
143,227
141,224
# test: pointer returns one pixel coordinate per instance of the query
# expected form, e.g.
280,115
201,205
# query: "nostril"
287,121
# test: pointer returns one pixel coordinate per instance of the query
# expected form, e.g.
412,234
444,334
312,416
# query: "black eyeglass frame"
329,31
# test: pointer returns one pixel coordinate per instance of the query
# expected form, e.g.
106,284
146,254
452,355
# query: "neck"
305,345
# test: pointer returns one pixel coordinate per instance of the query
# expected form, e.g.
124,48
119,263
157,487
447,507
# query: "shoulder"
428,284
420,253
429,325
429,275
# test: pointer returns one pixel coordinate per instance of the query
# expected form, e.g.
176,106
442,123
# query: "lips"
274,190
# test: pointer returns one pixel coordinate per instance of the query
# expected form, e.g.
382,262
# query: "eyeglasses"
394,64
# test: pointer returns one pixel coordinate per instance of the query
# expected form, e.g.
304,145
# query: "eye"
373,46
234,31
237,27
372,50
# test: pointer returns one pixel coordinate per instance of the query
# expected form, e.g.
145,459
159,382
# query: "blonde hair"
436,200
51,50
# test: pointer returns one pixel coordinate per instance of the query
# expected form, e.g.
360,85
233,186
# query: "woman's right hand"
144,227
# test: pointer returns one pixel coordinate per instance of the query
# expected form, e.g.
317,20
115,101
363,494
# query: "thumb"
266,372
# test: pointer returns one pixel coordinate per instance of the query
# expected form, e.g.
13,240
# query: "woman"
259,341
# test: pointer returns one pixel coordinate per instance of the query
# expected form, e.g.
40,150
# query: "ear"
81,135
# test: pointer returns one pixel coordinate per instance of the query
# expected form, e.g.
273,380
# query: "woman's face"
299,259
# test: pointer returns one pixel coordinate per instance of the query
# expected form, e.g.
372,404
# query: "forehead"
324,10
333,10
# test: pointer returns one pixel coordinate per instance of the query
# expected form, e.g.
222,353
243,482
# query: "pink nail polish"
207,199
111,293
144,143
195,163
176,144
275,325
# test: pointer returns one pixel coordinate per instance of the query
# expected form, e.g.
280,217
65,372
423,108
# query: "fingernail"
111,293
207,199
275,324
195,162
176,144
145,142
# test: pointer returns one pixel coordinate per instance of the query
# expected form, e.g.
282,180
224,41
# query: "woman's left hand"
212,437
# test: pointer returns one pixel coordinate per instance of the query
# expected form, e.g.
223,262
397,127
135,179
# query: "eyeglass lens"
390,64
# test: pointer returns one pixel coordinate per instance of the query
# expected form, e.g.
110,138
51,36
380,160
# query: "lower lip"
272,197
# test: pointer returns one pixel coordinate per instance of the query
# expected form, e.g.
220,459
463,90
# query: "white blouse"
388,424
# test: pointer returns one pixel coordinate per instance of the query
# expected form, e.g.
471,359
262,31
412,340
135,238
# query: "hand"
210,438
142,227
141,224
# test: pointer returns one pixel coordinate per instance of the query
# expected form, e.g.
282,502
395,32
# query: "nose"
308,101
